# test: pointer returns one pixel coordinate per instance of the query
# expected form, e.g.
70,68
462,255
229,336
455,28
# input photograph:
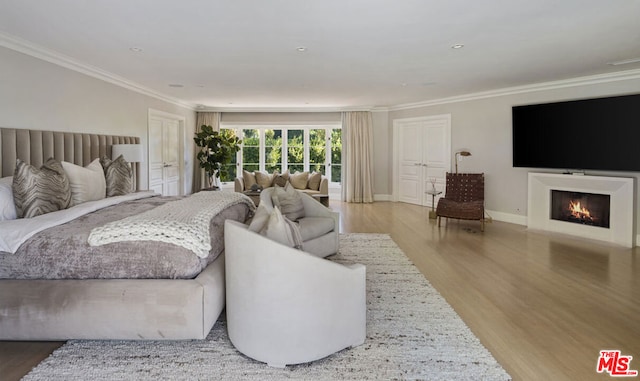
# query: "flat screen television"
596,134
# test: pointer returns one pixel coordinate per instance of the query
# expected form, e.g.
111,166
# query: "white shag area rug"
412,333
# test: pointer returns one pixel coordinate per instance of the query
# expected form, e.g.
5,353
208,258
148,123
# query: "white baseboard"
382,197
507,217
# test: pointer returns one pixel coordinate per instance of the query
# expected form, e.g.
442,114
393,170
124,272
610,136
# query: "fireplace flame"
579,211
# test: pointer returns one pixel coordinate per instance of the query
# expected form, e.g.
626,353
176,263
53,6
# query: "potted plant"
216,151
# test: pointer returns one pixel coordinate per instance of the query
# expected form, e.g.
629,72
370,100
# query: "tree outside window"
317,150
295,150
251,150
273,150
336,155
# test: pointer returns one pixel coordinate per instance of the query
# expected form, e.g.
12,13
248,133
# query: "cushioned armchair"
285,306
464,198
319,227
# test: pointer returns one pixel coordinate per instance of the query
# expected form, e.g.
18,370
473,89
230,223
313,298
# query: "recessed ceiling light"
175,85
457,46
301,49
403,84
135,49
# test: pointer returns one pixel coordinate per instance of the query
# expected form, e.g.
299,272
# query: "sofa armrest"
324,185
238,184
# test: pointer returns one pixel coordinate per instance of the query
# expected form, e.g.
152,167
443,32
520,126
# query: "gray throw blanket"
183,222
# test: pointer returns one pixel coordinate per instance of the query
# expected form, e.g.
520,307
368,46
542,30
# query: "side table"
322,198
433,193
254,196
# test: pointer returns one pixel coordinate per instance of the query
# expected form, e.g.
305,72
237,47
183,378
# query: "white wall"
483,127
35,94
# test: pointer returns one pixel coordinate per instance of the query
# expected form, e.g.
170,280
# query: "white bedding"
14,233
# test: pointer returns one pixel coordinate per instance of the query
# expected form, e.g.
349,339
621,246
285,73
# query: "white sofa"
286,306
317,240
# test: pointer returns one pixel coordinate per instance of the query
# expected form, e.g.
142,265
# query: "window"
250,150
273,150
231,167
293,148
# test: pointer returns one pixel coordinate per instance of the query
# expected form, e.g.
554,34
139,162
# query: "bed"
116,290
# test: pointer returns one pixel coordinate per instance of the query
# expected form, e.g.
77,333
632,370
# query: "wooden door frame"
395,196
153,113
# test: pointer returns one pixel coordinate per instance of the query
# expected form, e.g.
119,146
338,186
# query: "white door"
165,172
423,152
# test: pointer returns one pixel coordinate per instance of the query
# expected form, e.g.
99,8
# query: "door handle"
166,165
424,165
417,164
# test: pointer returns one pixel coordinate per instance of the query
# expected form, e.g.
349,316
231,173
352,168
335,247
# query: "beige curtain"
357,157
208,119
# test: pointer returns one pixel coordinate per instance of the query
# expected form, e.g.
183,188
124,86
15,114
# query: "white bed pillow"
7,206
87,183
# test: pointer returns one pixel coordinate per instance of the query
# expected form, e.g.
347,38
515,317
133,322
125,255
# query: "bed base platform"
114,309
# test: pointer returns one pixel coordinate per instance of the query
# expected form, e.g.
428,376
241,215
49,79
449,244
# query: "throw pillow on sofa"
249,179
270,223
314,181
281,229
281,179
289,201
299,180
263,179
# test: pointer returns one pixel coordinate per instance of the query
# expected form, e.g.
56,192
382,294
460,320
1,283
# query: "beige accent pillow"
249,179
263,179
314,181
290,202
87,183
299,180
281,229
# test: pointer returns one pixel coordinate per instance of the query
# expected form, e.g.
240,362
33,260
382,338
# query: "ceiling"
244,54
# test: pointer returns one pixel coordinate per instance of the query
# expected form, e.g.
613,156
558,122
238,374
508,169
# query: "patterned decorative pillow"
314,181
281,179
40,191
290,202
299,180
87,183
118,176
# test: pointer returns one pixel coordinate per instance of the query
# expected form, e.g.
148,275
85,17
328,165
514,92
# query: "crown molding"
26,47
552,85
40,52
285,109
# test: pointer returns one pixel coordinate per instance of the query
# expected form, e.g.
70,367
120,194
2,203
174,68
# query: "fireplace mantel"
620,189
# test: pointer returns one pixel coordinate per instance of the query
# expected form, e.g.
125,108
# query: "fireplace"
605,211
581,208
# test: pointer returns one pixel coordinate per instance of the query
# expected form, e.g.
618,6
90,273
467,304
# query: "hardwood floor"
543,304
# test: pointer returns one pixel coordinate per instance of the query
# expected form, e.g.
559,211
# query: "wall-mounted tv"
597,134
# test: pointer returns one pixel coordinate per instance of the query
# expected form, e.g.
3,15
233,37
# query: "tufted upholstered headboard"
35,147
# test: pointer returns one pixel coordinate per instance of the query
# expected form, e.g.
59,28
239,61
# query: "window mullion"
305,150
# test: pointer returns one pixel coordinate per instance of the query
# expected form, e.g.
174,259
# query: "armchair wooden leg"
439,218
482,225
